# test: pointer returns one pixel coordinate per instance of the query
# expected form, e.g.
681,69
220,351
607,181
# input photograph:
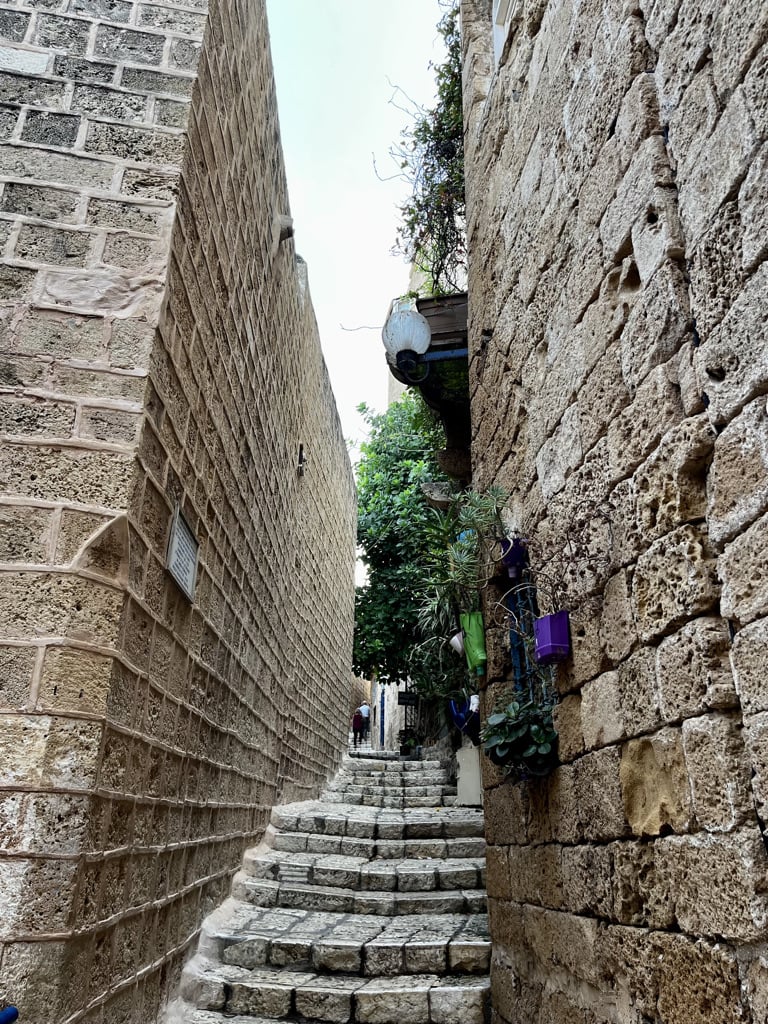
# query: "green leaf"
497,718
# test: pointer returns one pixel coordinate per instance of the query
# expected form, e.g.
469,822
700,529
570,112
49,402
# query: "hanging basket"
552,638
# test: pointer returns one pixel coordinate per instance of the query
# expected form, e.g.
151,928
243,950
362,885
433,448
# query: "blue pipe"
9,1015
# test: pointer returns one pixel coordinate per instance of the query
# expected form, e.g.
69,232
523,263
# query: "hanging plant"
430,157
520,736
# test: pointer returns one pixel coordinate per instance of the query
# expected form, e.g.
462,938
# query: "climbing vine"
430,156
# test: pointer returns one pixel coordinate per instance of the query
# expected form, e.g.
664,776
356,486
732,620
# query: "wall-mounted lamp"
406,338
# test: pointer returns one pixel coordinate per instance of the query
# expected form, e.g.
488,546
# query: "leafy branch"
430,156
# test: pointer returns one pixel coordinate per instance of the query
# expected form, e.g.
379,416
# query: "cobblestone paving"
366,906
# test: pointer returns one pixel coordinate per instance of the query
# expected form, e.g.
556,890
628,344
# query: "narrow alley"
367,906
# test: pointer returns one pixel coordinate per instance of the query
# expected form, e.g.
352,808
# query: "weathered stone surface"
639,897
716,269
618,631
602,397
74,680
756,738
24,534
587,657
744,597
17,664
505,812
738,478
638,692
586,878
696,981
535,875
626,954
567,716
654,784
565,941
591,807
561,454
719,772
752,198
641,186
757,987
671,485
379,1003
638,429
601,713
720,165
732,365
692,670
732,902
674,580
750,649
660,320
199,734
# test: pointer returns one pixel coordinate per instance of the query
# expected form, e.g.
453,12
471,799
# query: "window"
502,17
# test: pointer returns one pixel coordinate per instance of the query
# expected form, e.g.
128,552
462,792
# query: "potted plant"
471,530
520,736
409,744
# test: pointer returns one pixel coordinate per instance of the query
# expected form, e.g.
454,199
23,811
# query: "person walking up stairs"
366,906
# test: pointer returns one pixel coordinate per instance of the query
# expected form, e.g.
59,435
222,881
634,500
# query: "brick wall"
617,237
159,350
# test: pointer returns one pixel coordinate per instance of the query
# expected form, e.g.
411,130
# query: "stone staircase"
366,906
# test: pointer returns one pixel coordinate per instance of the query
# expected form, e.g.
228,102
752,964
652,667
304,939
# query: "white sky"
333,59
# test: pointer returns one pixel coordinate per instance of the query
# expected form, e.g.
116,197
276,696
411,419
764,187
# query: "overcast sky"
334,62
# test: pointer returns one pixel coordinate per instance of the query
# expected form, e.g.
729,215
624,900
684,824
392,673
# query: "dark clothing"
357,727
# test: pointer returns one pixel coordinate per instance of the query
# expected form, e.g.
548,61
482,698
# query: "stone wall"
159,351
619,365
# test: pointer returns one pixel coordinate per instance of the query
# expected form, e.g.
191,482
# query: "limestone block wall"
617,238
159,351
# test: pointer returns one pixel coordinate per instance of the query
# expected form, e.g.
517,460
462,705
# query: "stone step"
271,995
265,892
384,849
365,768
245,936
366,906
368,788
365,773
315,817
407,874
387,802
362,762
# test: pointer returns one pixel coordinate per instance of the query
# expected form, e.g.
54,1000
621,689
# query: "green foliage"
466,559
431,157
520,736
397,532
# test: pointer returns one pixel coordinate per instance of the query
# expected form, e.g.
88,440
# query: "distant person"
357,728
365,711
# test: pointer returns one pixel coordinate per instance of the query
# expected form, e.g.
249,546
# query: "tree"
398,534
430,156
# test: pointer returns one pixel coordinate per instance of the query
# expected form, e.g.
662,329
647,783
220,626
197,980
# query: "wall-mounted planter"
552,638
474,641
457,642
514,556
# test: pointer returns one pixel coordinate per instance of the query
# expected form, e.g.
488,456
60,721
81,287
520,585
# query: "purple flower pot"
553,642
